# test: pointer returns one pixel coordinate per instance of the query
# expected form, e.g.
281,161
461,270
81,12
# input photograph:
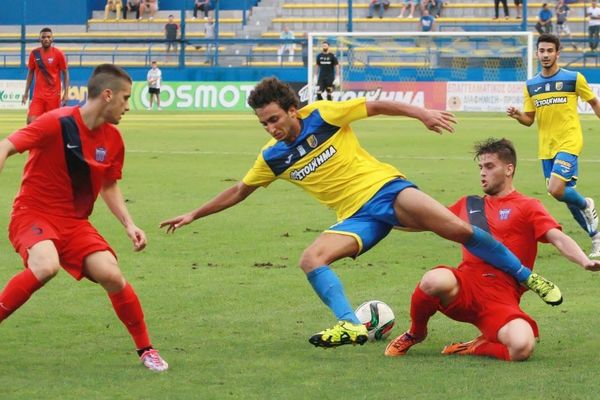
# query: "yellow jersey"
326,158
554,101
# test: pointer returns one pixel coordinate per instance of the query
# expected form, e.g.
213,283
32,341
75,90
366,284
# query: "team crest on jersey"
559,85
100,154
50,60
312,141
504,214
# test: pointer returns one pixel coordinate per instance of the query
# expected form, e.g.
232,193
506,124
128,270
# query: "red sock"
422,307
129,310
17,291
492,349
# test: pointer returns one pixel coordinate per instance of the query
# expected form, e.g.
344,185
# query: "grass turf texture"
231,312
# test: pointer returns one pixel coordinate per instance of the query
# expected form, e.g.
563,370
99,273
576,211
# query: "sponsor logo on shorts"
37,230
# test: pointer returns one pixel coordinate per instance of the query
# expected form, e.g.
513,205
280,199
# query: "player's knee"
309,260
521,349
437,281
44,267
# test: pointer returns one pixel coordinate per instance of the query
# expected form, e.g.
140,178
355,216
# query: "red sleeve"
458,206
31,64
541,220
63,62
115,172
36,134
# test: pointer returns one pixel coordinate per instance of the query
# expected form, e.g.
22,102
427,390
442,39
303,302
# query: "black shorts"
325,83
154,90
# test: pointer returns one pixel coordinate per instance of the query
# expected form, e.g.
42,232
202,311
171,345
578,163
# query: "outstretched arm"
595,104
524,118
112,196
571,250
434,120
7,149
227,198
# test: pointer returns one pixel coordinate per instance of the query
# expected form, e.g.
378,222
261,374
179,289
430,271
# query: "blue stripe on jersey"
563,81
77,167
315,131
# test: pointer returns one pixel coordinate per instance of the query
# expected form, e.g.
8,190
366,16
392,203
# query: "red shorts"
40,105
73,238
486,302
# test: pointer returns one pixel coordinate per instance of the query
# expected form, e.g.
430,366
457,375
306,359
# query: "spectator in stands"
426,21
286,34
562,27
132,5
154,78
171,29
544,23
434,7
209,33
381,6
593,12
518,8
203,5
113,5
412,4
148,6
497,8
46,63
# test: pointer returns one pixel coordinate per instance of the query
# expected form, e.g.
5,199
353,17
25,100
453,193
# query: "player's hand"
24,99
177,222
592,265
138,237
439,121
513,112
336,81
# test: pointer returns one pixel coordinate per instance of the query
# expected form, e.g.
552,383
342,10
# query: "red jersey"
67,163
517,221
47,75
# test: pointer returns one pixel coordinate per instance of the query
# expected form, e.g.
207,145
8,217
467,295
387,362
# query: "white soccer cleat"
590,215
153,361
595,253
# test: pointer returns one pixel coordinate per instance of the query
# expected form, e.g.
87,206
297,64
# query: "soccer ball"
378,317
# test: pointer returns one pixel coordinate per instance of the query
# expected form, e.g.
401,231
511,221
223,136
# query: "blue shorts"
375,219
563,166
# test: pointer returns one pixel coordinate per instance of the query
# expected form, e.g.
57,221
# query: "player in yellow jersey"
552,96
315,148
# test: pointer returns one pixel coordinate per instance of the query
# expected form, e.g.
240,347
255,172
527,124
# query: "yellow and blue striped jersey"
326,158
554,101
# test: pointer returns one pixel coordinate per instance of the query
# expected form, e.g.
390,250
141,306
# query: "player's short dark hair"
503,148
106,76
548,38
325,42
271,90
46,29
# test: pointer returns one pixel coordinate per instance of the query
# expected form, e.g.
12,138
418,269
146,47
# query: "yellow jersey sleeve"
260,174
528,105
582,88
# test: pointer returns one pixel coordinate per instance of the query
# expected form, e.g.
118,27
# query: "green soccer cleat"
547,290
342,333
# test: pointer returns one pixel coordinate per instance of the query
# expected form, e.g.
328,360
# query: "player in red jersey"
477,293
75,153
46,62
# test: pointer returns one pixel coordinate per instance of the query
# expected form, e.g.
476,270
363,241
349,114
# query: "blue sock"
573,198
331,291
484,246
576,203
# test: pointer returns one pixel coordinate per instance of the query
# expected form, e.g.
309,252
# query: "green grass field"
230,310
